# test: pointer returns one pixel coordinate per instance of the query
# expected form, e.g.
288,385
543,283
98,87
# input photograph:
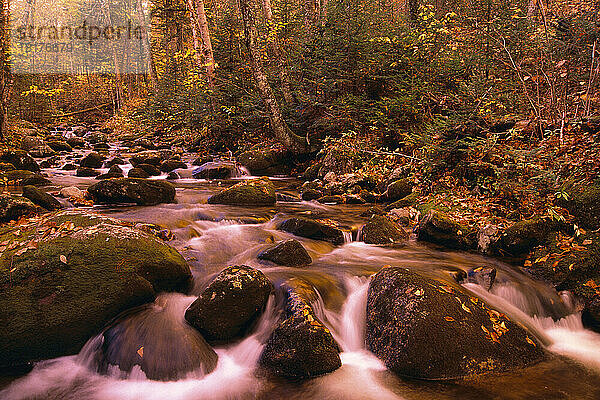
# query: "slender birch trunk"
278,53
201,30
282,132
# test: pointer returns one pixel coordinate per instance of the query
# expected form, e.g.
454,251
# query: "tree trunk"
151,66
4,71
284,135
278,53
200,28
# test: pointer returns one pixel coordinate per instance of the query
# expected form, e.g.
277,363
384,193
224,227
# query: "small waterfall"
347,237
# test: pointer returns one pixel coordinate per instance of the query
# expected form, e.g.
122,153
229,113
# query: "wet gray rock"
381,230
483,276
41,198
421,328
250,192
300,346
92,160
215,170
229,306
312,229
132,190
289,253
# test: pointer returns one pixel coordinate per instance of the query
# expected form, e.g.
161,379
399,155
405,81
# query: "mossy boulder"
215,170
422,328
21,178
313,229
149,169
137,173
20,160
572,264
86,172
523,236
64,275
289,253
583,204
92,160
437,227
30,141
261,162
170,165
76,142
251,192
41,198
147,157
132,190
229,306
155,338
300,346
381,230
399,189
408,201
59,145
14,207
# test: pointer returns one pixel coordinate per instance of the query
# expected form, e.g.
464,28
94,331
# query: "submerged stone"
132,190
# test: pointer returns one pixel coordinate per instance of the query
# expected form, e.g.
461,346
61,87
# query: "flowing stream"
212,237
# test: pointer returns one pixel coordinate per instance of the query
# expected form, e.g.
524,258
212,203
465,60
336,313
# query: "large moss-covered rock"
216,170
424,329
399,189
21,178
437,227
289,253
156,338
523,236
41,198
64,275
20,159
251,192
147,157
14,207
132,190
312,229
92,160
583,204
59,145
381,230
230,304
300,346
30,141
267,162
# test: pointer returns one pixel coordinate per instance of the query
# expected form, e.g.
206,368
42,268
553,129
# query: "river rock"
437,227
21,178
69,167
149,169
229,306
6,167
215,170
250,192
115,161
59,145
42,151
147,157
381,230
523,236
75,279
14,207
156,339
312,229
132,190
399,189
483,276
85,172
29,142
311,194
582,203
41,198
289,253
92,160
170,165
261,162
20,160
300,346
76,142
424,329
137,173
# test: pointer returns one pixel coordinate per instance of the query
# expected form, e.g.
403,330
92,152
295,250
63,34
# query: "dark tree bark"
4,68
282,132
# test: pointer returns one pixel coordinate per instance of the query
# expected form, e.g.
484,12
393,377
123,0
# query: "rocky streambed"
133,273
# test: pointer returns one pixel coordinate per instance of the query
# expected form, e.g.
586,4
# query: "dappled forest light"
299,199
